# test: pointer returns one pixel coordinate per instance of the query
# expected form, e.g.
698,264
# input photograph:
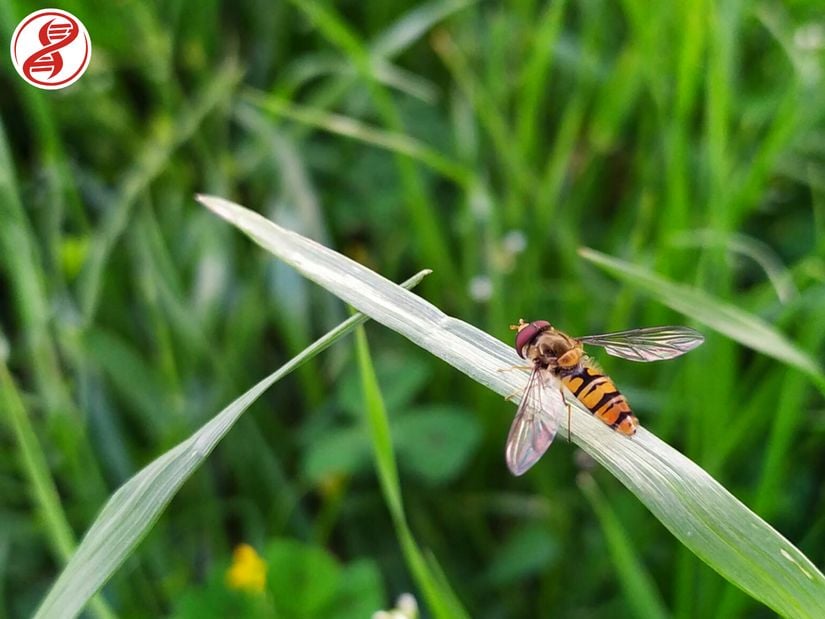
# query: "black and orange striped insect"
558,359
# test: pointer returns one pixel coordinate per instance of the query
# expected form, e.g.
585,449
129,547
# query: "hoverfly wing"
535,424
648,344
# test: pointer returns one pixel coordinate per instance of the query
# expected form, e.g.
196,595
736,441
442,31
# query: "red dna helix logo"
54,37
51,49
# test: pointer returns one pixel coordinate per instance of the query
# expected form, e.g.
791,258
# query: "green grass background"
487,141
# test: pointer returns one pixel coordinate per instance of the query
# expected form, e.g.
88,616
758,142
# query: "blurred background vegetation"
487,141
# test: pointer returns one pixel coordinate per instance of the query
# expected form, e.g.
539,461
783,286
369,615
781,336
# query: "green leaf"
401,379
215,600
303,579
342,451
436,442
702,514
360,592
528,551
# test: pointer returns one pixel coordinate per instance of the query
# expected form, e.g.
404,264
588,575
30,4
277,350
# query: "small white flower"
481,288
514,242
407,605
405,608
810,37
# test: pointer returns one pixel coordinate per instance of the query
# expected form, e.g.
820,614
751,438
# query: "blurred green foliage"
487,141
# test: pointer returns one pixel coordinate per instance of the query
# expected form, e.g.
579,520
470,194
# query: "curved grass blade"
413,25
727,319
693,506
131,511
395,142
778,275
441,600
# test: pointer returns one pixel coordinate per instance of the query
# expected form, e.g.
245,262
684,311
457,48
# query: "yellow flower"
248,570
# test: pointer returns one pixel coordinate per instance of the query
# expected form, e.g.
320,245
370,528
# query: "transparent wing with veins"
536,421
648,344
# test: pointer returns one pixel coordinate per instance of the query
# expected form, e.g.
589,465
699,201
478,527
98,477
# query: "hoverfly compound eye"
527,332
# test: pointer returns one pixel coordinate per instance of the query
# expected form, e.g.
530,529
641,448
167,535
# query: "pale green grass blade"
702,514
441,600
399,143
727,319
749,247
384,72
413,25
131,511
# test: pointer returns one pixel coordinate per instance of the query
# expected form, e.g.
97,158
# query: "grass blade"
699,512
131,511
399,143
729,320
442,602
412,26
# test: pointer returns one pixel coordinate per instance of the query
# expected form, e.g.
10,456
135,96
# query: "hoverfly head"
527,332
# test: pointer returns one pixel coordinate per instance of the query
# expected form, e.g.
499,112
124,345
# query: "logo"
51,49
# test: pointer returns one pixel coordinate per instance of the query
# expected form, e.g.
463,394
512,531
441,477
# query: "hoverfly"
558,359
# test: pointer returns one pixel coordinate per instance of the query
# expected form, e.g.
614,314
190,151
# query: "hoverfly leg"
515,367
569,414
510,369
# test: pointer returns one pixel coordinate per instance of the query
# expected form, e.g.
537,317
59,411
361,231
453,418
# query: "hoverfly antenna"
521,324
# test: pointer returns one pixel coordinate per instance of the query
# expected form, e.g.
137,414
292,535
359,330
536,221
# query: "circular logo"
51,49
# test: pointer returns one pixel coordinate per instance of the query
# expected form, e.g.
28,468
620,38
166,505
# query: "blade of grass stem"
413,25
442,602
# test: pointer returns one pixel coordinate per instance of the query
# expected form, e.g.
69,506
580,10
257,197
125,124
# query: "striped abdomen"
598,393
